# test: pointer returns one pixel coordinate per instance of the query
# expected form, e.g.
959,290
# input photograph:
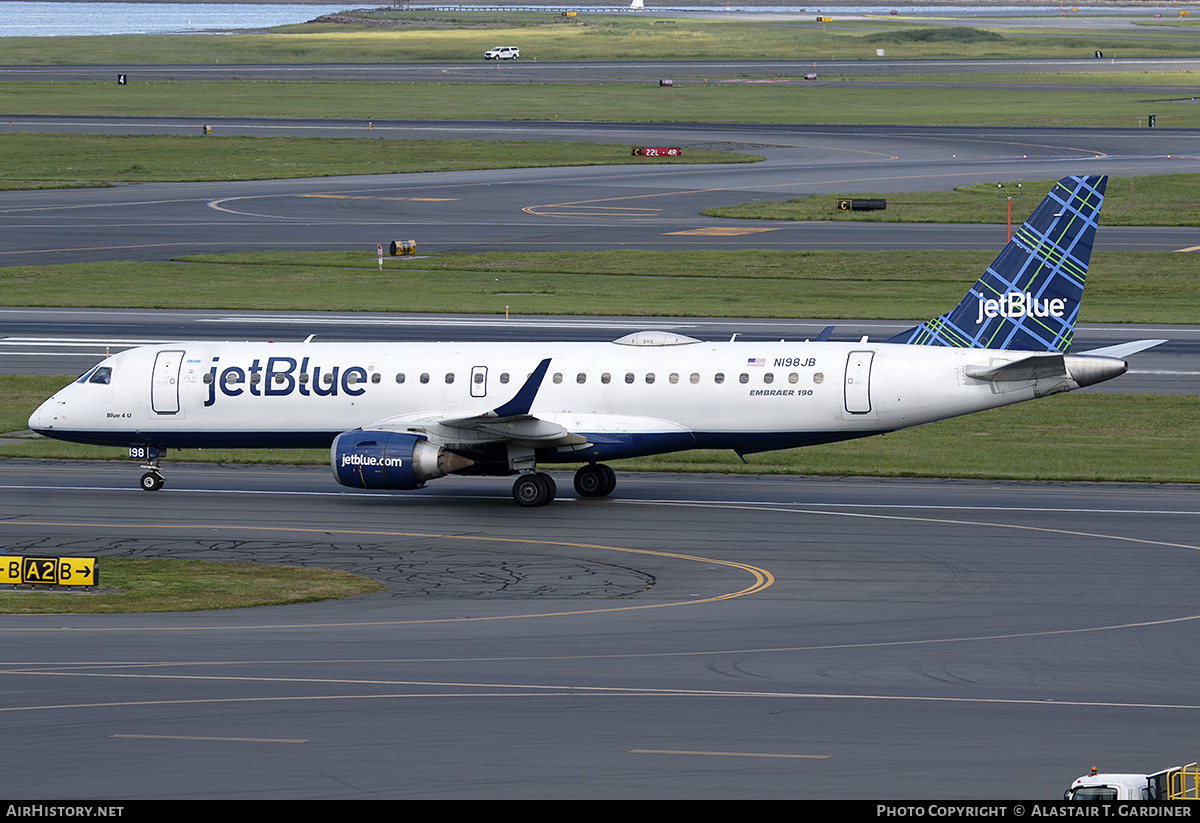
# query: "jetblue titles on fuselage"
280,377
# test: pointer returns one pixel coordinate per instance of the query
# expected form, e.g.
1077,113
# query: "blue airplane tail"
1028,299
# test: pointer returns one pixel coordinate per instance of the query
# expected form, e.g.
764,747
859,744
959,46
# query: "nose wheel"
151,481
534,489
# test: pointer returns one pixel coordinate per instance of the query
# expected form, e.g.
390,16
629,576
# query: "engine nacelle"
365,459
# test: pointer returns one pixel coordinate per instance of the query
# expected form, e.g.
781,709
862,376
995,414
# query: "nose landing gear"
152,480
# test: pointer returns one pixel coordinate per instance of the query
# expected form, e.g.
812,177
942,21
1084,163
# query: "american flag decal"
756,361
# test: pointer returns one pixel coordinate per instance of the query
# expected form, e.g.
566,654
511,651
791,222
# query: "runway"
692,637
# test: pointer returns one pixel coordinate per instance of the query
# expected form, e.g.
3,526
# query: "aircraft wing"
509,422
512,422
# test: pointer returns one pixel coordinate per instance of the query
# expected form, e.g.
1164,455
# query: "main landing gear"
538,488
595,480
534,489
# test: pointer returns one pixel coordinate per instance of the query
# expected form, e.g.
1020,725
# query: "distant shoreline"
814,6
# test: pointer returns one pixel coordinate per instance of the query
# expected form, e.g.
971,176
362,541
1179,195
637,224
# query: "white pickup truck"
1175,783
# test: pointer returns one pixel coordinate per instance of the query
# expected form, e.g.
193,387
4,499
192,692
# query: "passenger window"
279,378
606,378
479,378
207,378
581,378
399,377
650,377
718,378
327,379
793,378
257,378
629,378
768,378
558,377
450,378
743,378
695,378
425,377
504,377
818,377
303,378
674,378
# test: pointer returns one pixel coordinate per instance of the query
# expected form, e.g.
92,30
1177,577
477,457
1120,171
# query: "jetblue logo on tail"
1018,304
1028,299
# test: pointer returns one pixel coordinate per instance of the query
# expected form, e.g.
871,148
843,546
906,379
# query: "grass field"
1154,200
832,102
153,585
1116,99
1123,287
1100,437
63,160
426,35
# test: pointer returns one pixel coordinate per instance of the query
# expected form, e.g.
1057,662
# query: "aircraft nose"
44,416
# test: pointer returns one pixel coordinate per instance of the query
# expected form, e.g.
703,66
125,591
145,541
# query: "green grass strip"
1097,437
158,585
43,160
1150,200
1123,287
464,36
724,102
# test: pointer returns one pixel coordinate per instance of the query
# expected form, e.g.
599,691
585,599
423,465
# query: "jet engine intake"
365,459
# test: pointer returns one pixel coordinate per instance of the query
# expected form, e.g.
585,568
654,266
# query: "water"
29,19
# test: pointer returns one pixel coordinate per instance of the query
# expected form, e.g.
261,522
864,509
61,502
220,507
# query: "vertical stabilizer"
1028,299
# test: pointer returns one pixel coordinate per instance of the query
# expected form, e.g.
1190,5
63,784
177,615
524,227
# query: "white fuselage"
745,396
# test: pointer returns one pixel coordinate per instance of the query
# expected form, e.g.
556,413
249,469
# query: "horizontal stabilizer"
1038,367
1079,370
1123,349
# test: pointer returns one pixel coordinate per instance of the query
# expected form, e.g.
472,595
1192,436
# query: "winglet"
522,402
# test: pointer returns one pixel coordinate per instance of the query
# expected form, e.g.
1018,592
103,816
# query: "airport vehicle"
1175,783
502,53
396,415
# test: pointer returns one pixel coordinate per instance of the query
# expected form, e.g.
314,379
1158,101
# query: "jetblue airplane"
396,415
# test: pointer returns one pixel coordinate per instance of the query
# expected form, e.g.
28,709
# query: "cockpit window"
102,375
